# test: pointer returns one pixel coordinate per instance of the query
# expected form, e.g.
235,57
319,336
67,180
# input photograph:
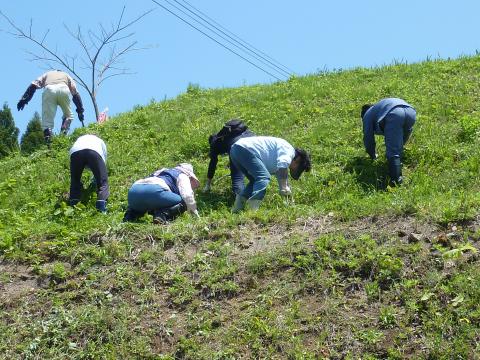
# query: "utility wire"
279,69
215,40
224,38
236,36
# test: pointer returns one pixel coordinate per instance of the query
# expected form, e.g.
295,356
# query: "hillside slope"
354,269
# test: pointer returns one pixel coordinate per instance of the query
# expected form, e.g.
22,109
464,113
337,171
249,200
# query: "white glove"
286,191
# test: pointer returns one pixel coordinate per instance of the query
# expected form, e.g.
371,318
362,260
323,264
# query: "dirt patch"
15,282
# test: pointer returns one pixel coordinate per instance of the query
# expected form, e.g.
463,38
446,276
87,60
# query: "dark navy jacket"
222,146
372,120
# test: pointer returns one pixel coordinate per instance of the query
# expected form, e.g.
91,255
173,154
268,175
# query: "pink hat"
187,169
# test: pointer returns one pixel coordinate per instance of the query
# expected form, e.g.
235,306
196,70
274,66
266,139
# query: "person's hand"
286,191
196,215
81,117
21,104
374,156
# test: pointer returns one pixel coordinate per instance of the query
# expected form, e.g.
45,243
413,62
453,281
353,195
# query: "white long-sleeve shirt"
183,184
91,142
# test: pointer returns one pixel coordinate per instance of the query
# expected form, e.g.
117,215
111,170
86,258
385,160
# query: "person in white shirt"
89,151
258,157
166,194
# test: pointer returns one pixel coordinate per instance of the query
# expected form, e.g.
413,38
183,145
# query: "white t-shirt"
275,153
91,142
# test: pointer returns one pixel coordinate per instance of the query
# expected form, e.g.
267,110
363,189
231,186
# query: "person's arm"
104,149
186,192
369,137
282,178
27,96
212,165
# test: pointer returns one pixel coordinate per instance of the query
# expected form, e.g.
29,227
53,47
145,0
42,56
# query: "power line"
279,69
239,38
281,72
213,39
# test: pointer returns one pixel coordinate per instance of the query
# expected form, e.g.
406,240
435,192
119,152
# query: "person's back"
379,110
91,142
55,77
89,151
274,152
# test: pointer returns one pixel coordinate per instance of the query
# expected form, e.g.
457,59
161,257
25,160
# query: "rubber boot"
163,216
101,206
253,204
239,203
47,135
131,215
174,211
73,202
395,171
160,216
65,125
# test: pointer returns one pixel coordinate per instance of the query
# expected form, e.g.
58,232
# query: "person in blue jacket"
394,119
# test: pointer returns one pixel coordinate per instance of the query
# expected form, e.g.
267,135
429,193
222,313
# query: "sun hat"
187,169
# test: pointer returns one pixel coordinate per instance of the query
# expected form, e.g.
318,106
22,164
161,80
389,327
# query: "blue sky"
305,35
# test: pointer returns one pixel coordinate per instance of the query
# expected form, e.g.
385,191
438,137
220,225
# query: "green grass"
337,275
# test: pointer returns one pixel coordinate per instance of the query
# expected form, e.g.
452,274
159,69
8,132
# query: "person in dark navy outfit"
394,119
220,144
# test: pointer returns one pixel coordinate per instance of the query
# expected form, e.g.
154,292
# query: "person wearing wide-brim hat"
166,194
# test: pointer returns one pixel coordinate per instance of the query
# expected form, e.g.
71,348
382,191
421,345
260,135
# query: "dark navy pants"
91,159
398,126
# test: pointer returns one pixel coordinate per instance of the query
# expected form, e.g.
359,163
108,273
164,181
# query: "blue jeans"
255,171
149,197
237,178
398,126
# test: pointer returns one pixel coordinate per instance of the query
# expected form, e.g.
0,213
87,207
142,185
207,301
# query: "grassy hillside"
353,269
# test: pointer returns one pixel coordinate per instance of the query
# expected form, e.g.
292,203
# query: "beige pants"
53,96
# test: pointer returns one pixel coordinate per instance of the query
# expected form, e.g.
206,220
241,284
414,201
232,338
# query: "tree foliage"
32,139
8,132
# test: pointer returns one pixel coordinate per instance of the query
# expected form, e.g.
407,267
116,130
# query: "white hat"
187,169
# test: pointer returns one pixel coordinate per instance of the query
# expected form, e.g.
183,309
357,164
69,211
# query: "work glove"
81,117
21,104
208,186
286,191
195,214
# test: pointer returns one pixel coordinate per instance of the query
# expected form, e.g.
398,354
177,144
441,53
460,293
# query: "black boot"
131,215
160,216
47,135
65,125
395,171
175,210
163,216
